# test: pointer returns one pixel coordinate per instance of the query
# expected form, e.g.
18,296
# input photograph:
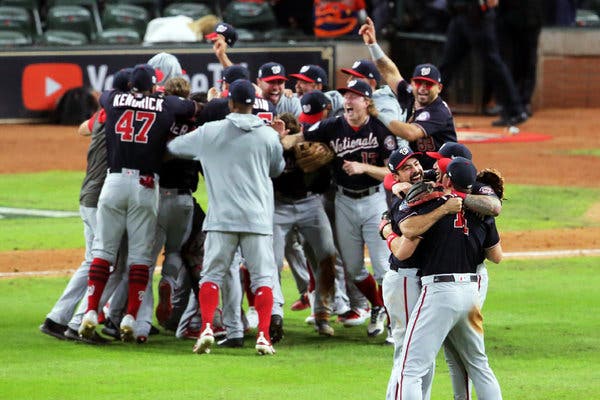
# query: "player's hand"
453,205
219,46
288,93
353,167
367,31
279,126
213,93
400,189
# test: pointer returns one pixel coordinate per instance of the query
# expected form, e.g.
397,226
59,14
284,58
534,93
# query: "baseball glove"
310,156
423,192
493,178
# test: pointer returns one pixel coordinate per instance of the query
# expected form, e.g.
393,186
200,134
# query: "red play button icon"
43,84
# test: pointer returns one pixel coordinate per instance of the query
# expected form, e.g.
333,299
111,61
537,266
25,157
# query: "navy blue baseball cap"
228,32
271,71
451,150
313,103
143,77
462,172
234,72
363,69
311,73
358,87
399,157
427,72
121,79
242,91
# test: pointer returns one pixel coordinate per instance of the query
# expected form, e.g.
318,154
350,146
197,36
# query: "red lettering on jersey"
426,144
148,119
266,116
124,125
368,157
460,222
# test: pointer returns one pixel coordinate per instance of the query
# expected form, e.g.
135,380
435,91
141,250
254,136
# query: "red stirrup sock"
263,302
97,278
138,280
247,290
368,288
208,297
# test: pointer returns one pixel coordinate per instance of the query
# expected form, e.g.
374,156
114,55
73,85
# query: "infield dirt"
34,148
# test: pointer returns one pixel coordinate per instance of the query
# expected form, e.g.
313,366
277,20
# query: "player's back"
137,126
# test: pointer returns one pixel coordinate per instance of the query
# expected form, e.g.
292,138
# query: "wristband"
389,240
376,52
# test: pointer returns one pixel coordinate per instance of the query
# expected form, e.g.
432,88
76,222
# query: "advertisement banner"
34,81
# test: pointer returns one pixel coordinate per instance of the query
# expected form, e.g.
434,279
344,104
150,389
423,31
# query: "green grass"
541,335
526,207
585,152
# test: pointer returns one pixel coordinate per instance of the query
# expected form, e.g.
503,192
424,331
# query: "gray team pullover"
239,156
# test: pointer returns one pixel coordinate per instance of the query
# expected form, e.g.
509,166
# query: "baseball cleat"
310,320
126,328
52,328
263,347
352,318
204,342
276,328
377,323
231,342
323,328
110,329
88,324
301,304
96,340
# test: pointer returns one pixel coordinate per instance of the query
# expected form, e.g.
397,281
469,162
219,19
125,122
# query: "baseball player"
271,80
56,321
137,124
310,77
449,305
298,205
429,122
384,98
240,209
362,146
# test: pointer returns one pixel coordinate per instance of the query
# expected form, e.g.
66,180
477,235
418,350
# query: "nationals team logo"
43,84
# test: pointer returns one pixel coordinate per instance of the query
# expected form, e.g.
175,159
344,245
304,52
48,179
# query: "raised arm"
385,65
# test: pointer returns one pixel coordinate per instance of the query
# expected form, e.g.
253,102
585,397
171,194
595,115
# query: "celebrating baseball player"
240,195
137,125
449,305
429,121
362,146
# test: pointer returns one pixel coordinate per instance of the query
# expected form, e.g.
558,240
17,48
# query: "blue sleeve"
318,132
181,107
493,237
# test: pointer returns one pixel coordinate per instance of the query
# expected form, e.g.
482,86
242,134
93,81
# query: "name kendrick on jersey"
348,145
145,103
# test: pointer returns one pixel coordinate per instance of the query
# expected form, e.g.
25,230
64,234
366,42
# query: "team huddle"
303,176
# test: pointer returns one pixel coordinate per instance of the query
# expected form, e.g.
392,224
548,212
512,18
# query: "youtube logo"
43,84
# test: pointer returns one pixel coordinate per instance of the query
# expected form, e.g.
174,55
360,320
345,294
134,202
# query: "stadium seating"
192,10
125,16
151,6
91,5
56,37
14,39
119,36
17,19
33,8
71,18
256,17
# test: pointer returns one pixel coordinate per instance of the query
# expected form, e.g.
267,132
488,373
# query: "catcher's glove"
493,178
423,192
310,156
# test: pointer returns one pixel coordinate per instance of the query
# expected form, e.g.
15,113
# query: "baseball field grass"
540,326
526,207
